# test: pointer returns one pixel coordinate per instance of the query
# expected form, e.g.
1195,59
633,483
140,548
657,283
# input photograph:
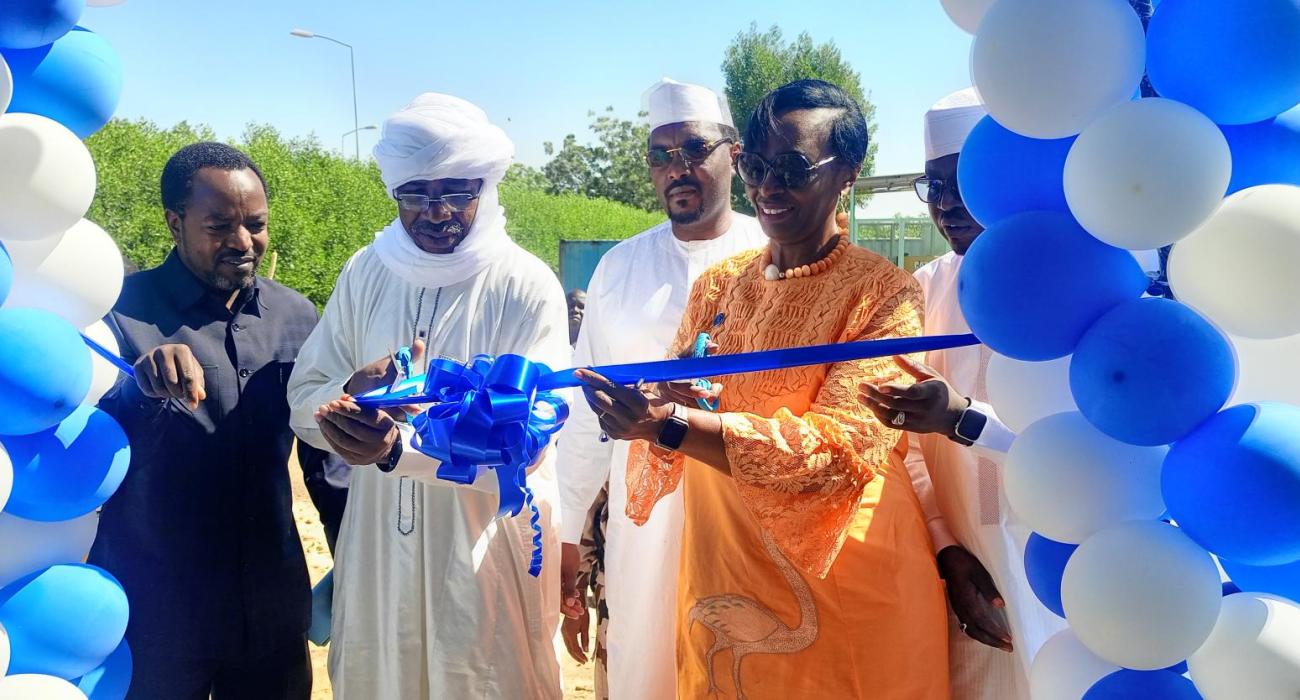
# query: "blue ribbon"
500,413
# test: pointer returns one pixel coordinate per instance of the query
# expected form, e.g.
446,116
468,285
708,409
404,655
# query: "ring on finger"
899,419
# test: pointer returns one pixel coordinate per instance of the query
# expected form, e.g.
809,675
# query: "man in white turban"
999,624
635,302
433,598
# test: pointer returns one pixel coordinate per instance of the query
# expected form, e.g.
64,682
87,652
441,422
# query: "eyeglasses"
931,189
456,202
793,170
693,151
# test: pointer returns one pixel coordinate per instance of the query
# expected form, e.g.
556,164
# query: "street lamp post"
356,121
344,139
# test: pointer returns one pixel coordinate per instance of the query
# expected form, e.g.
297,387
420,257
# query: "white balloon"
30,254
4,651
1024,393
1064,669
6,85
1067,480
103,374
967,13
48,178
1047,68
32,686
6,477
30,546
1266,370
1147,173
80,280
1253,652
1239,267
1141,595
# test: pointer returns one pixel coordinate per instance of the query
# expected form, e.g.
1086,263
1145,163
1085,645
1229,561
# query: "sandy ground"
578,679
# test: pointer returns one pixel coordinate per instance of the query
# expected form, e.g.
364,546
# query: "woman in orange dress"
806,567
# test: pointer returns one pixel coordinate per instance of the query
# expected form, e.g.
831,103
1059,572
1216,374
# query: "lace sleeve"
802,477
653,473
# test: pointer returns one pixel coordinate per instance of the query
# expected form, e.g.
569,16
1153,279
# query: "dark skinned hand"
171,372
931,405
358,435
974,597
575,628
684,391
626,413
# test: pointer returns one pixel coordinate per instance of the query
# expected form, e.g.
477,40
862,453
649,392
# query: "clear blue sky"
536,67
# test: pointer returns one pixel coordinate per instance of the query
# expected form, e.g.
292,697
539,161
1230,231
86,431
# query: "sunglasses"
931,189
418,202
693,151
792,170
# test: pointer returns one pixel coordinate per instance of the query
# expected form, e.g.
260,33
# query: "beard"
685,217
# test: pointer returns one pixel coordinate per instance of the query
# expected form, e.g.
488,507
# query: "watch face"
971,425
674,430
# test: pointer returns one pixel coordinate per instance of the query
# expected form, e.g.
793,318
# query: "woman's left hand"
626,413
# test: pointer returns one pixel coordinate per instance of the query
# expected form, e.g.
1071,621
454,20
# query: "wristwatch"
969,426
674,430
394,456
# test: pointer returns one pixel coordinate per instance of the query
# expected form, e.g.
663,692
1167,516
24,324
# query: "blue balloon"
1002,173
1281,580
44,370
111,679
68,470
6,273
26,24
1045,562
75,81
63,621
1150,371
1144,685
1032,284
1179,668
1233,485
1230,588
1237,61
1265,153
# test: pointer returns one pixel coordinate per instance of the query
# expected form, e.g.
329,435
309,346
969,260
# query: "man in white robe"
635,301
432,593
958,437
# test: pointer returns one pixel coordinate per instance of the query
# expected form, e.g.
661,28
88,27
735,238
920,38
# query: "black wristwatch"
970,426
394,456
674,430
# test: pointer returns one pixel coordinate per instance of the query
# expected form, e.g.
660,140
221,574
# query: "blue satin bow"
489,415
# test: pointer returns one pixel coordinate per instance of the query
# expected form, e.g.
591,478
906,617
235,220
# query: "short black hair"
178,174
848,130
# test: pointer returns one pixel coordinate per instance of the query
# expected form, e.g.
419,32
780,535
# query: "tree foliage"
323,207
611,168
758,62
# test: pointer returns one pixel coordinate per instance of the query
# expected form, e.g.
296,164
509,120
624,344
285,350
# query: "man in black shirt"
201,533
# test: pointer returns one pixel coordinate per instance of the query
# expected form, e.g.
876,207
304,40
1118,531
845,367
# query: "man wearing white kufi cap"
432,593
635,301
998,624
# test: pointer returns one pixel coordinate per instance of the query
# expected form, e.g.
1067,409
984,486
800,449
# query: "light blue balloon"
63,621
1237,61
1045,562
1265,153
75,81
1283,580
1002,173
69,470
44,370
6,273
1147,685
1150,371
1233,485
26,24
111,679
1032,284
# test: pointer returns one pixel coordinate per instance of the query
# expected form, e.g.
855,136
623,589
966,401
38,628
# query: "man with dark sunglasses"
958,441
635,302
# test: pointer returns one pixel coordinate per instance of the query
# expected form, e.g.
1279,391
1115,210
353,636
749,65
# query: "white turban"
671,102
436,137
950,121
440,136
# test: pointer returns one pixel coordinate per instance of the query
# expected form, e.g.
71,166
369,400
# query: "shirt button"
237,328
244,373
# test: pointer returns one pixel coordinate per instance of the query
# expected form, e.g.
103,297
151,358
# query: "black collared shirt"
201,532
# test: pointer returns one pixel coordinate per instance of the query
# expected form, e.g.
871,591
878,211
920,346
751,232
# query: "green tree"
612,168
527,177
758,62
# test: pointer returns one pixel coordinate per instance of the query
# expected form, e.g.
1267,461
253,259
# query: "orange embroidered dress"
808,572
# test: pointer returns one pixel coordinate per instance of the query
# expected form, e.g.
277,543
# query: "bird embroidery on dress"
746,626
